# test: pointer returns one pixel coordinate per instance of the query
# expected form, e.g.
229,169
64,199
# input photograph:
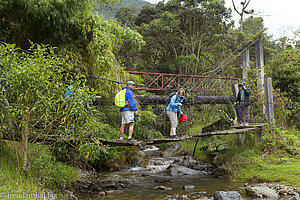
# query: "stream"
166,177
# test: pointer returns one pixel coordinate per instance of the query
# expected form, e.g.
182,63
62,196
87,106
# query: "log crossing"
235,130
117,142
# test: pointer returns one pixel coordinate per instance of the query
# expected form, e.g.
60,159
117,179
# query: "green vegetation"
276,159
43,172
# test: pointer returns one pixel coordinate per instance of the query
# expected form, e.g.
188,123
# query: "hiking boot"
173,136
131,140
246,124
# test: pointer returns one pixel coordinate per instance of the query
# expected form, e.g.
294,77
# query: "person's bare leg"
122,130
172,131
131,127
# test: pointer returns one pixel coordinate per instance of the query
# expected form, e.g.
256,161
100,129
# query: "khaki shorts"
127,117
173,118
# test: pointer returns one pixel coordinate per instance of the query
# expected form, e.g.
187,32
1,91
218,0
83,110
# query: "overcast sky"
280,17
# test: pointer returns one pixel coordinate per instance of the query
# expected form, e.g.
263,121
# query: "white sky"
280,17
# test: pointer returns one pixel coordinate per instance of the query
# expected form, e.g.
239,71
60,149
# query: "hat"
243,83
130,83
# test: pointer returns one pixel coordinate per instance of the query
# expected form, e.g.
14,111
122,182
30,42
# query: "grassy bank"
44,174
275,159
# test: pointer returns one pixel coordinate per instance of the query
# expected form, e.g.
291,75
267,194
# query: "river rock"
171,150
161,187
96,188
188,187
109,186
261,192
161,180
114,192
101,193
230,195
295,198
176,170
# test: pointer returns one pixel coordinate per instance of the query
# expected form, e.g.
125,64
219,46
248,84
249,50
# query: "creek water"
141,181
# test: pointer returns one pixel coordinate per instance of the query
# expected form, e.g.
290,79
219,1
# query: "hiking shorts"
173,118
127,117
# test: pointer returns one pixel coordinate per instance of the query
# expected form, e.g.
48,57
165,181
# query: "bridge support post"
240,138
257,136
260,64
269,100
245,60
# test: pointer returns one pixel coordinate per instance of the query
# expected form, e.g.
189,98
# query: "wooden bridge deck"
117,142
236,130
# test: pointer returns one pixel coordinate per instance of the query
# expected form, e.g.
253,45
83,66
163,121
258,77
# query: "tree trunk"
25,134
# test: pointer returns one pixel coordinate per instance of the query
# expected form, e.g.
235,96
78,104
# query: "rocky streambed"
172,177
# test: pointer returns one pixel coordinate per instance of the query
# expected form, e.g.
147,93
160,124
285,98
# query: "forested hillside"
137,5
62,64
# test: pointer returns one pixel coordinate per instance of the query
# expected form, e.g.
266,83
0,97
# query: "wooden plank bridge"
235,130
117,142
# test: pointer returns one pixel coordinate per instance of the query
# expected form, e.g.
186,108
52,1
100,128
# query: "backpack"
120,99
169,98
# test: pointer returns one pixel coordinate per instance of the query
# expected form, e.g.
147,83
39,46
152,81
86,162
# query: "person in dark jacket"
173,108
129,111
243,102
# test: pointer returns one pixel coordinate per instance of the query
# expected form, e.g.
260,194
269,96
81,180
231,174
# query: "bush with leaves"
36,92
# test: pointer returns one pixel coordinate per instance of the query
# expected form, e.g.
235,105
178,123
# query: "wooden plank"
117,142
225,132
166,140
251,125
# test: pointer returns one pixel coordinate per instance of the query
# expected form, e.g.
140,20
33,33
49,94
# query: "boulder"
230,195
176,170
261,192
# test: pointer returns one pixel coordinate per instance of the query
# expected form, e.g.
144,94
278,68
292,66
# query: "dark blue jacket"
129,99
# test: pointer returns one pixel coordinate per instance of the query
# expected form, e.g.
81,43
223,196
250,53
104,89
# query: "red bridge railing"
172,82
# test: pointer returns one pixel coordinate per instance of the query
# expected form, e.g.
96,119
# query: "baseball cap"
130,83
243,83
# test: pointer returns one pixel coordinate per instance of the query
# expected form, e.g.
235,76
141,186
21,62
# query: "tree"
84,37
183,28
36,92
126,15
243,11
286,77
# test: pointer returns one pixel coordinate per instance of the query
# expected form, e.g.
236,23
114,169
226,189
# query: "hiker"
173,108
129,111
69,91
243,103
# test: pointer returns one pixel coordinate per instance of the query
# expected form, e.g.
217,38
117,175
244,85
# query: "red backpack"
183,118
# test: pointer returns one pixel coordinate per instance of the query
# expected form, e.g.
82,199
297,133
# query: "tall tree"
243,11
84,36
184,28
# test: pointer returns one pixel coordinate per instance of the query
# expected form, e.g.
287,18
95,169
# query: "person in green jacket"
243,102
